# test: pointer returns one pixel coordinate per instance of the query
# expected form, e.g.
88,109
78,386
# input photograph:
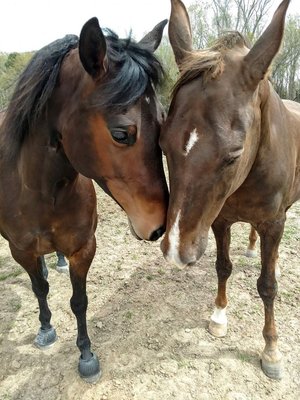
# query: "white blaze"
193,139
174,240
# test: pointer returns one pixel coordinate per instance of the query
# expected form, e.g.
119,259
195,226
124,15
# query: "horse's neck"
42,165
272,116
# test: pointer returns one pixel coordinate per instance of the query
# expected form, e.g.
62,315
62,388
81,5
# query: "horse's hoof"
64,269
62,265
89,370
217,330
251,253
272,370
45,338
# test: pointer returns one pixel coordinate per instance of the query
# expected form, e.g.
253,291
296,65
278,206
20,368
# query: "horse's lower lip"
133,232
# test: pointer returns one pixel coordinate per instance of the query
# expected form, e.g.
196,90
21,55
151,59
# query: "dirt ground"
148,324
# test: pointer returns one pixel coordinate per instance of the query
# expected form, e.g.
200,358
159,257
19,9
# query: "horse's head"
212,132
110,122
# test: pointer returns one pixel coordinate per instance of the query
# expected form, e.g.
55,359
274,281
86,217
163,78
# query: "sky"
27,25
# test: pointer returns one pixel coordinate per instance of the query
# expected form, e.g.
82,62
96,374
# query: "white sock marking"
193,139
219,316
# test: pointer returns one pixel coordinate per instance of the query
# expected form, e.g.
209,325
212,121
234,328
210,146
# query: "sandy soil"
148,324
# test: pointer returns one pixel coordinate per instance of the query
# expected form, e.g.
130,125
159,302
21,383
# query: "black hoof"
89,370
45,338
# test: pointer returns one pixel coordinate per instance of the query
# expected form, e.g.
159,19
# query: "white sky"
27,25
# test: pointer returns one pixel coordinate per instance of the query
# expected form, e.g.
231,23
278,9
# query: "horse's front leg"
89,368
218,322
35,269
270,236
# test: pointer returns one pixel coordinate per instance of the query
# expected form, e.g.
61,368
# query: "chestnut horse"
233,153
82,109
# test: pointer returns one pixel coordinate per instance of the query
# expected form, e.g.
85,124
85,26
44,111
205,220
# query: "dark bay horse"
82,109
233,153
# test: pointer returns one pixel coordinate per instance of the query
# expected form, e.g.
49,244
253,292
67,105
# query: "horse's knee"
224,269
267,290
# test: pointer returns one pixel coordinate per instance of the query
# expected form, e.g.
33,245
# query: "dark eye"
124,135
230,161
233,156
120,136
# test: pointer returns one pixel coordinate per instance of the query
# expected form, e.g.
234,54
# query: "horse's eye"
124,135
234,156
120,136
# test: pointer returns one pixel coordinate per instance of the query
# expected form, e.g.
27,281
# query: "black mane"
133,70
33,89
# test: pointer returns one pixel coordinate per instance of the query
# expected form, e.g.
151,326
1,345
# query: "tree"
249,17
286,68
11,66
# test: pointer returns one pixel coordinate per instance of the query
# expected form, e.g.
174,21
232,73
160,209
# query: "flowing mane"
208,63
135,70
33,89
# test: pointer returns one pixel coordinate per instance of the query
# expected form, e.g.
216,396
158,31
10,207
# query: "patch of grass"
128,315
290,232
13,274
150,277
161,271
246,358
242,262
6,396
15,305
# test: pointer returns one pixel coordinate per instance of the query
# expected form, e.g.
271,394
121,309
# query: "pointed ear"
92,49
152,40
180,33
259,58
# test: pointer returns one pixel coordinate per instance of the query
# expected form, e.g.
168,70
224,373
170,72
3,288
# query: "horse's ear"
92,48
180,33
152,40
259,58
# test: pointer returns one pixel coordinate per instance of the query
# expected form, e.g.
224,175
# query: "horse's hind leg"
61,265
218,322
270,236
34,267
251,251
44,267
80,262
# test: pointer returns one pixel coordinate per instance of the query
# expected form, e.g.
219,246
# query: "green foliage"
166,57
249,17
11,65
286,68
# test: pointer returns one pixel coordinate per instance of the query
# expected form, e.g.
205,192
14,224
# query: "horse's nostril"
157,234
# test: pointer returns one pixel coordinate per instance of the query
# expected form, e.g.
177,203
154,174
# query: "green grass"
290,232
128,315
13,274
245,358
